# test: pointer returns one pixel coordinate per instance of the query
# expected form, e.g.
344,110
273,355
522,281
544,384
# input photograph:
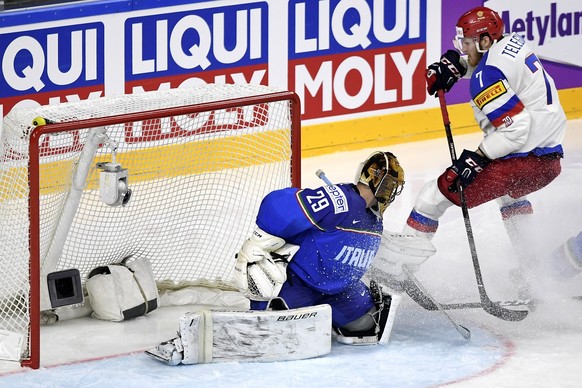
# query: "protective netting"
197,181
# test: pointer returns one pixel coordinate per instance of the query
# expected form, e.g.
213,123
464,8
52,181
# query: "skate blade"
161,356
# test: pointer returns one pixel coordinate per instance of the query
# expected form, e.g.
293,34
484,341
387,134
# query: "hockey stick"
489,306
321,175
466,333
474,305
428,303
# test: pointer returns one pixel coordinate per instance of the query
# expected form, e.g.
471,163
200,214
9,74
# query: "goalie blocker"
272,335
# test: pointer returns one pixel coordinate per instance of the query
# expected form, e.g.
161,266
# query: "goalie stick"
486,303
321,175
466,333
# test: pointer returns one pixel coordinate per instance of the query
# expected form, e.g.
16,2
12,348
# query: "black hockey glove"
465,169
445,73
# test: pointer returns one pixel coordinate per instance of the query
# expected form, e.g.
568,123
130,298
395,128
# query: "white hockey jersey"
516,102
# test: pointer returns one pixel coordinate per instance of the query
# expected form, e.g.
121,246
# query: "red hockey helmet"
477,22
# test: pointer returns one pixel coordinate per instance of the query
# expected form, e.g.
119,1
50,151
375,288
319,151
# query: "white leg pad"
216,336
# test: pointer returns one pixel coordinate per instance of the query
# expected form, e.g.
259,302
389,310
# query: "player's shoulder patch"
338,199
489,94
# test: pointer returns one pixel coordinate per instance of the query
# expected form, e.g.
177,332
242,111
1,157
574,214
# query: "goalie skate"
170,352
386,306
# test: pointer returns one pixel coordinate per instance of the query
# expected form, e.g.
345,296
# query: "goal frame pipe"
34,180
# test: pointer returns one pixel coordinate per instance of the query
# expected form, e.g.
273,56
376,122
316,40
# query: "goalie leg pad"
214,336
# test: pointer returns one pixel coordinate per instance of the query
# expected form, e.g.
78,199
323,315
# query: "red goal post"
198,161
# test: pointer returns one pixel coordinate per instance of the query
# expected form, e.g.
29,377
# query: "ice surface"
424,350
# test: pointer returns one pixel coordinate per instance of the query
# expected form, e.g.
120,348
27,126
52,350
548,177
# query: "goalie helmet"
475,23
382,173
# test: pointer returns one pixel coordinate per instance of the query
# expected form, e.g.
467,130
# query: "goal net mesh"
196,179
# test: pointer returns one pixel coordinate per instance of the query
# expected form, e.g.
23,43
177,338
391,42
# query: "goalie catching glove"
261,265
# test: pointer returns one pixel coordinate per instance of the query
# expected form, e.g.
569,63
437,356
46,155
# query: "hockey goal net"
198,162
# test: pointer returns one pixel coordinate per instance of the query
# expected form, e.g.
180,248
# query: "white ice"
424,350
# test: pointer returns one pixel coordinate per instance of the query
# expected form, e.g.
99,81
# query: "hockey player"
338,230
303,269
516,105
567,259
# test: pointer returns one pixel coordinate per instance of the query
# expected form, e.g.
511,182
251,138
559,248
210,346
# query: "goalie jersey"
337,235
516,102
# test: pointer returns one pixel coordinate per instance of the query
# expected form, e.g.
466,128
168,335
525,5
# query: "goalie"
303,269
313,246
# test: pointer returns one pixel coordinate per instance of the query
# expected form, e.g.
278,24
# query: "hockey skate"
170,352
521,284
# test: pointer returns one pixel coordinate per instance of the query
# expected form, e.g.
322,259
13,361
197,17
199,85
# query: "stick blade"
466,333
506,314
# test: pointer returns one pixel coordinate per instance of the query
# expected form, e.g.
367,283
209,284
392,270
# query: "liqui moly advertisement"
52,65
344,58
340,56
356,56
223,44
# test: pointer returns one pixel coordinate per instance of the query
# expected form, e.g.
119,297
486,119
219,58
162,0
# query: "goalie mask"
382,173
